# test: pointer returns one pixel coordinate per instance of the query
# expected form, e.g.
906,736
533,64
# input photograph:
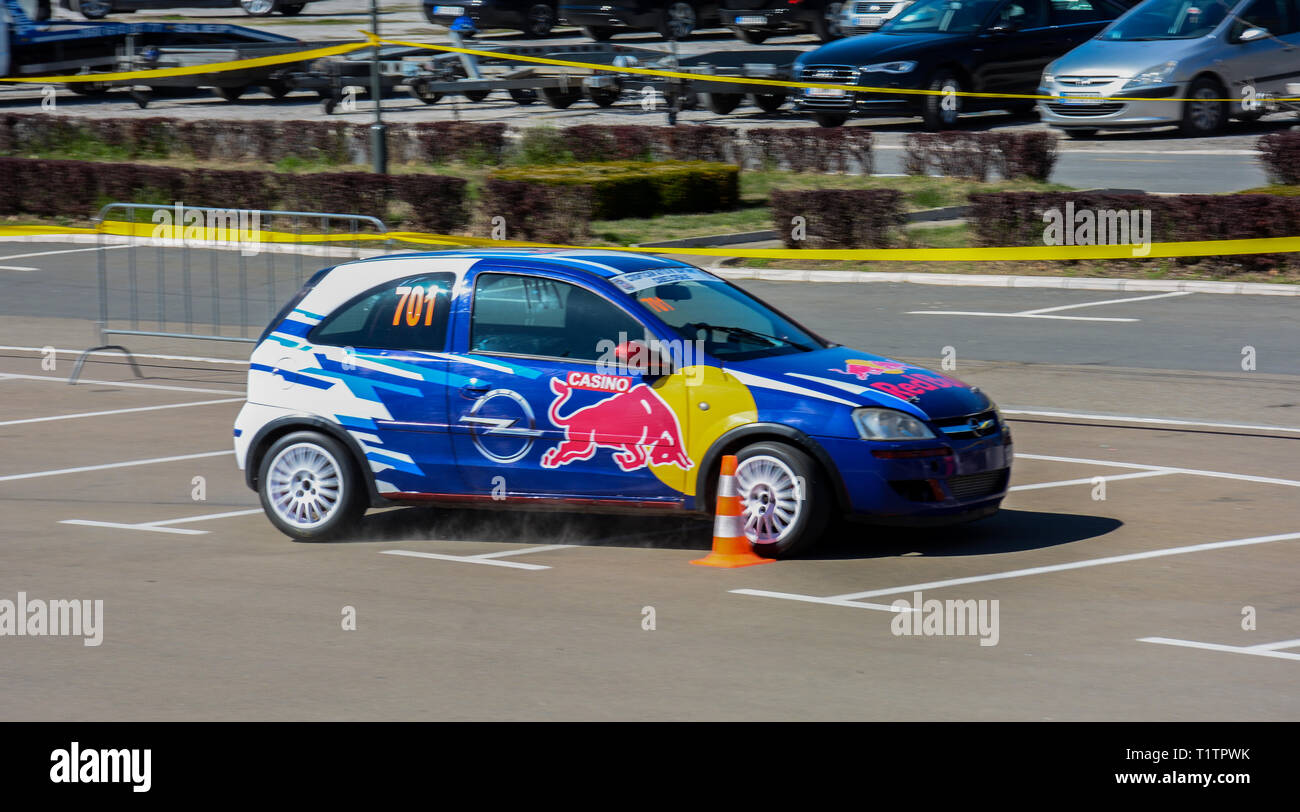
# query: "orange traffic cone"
730,547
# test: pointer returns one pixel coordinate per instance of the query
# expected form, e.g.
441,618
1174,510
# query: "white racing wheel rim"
257,6
304,485
770,498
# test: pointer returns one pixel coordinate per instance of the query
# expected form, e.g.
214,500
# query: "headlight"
797,70
1049,74
889,424
889,67
1154,75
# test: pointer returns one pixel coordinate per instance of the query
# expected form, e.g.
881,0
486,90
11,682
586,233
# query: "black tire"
93,9
1249,117
770,479
523,95
1080,132
603,96
678,19
723,103
597,33
539,19
935,113
231,93
768,102
561,99
292,10
298,472
92,89
259,8
417,91
829,119
751,35
276,89
476,95
826,25
1204,118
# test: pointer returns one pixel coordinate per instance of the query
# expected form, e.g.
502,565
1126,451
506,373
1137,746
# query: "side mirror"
1251,34
636,357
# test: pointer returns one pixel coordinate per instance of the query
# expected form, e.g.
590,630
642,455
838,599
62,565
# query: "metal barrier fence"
242,246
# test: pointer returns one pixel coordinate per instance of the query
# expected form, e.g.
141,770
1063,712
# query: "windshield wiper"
745,331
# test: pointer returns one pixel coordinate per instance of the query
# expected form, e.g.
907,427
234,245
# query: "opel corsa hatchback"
595,381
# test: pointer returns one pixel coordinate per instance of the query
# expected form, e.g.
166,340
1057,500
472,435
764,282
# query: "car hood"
881,47
855,378
1125,59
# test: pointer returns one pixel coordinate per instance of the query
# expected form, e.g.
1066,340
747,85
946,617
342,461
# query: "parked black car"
990,46
673,19
535,18
98,9
756,20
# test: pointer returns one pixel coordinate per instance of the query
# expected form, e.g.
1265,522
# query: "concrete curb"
1009,281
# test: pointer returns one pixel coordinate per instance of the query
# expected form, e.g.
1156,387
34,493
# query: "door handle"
474,389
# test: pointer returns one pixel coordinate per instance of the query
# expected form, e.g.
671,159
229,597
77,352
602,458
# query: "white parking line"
1160,421
790,596
105,466
16,376
1087,480
63,251
1049,312
164,525
1264,480
17,268
491,559
1262,650
117,411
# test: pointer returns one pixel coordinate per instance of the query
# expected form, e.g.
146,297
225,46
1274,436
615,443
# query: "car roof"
604,264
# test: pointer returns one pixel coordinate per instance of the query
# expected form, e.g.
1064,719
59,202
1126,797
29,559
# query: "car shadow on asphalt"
1007,531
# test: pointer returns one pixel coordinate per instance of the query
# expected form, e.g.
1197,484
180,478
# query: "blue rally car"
594,380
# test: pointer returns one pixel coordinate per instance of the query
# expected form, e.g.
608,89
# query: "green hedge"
637,189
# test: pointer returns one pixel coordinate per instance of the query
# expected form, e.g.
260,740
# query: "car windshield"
1168,19
941,17
731,324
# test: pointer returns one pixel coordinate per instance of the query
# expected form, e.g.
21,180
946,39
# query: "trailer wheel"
231,93
597,33
603,96
523,95
476,95
753,36
561,99
723,103
768,102
276,88
292,10
258,8
418,90
93,9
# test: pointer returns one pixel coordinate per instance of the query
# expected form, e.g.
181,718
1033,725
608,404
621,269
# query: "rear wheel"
292,10
420,90
539,20
829,119
723,103
258,8
827,24
231,93
476,95
523,95
784,504
603,96
561,99
768,102
310,487
1204,111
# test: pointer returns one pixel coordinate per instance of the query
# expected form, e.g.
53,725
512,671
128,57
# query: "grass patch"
920,192
1281,190
632,231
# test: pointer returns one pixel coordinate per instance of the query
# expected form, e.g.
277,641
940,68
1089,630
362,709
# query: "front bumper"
969,482
852,102
1136,108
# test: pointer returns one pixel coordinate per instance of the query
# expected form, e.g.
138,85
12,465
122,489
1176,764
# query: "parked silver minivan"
1191,63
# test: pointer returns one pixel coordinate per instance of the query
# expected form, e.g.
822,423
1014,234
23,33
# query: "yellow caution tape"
198,236
745,80
194,70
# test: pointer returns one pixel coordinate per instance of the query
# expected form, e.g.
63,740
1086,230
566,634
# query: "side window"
1023,13
1073,12
406,314
529,315
1273,15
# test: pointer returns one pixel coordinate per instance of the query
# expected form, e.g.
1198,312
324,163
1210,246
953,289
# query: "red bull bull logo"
634,422
863,369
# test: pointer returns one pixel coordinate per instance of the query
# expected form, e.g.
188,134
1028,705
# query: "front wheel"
258,8
93,9
561,99
309,486
539,20
941,110
829,119
784,504
1204,112
231,93
768,102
